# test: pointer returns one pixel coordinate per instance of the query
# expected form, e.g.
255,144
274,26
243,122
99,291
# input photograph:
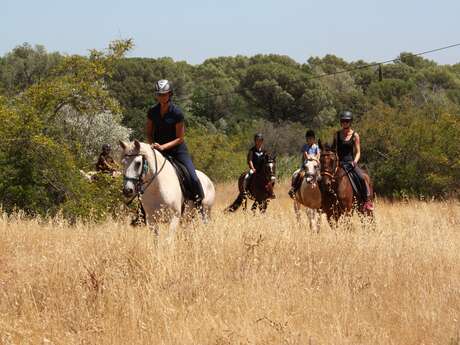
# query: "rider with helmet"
347,145
165,131
255,159
105,162
310,150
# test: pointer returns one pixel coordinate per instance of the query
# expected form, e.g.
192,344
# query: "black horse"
260,187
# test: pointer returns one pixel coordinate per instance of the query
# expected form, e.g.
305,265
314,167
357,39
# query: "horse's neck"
158,165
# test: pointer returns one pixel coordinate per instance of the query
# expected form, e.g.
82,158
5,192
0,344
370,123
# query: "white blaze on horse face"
271,167
310,169
132,171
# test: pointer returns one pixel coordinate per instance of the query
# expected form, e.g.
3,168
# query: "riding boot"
198,203
293,189
246,184
295,185
368,205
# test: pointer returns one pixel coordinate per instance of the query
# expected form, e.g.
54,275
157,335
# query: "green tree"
40,171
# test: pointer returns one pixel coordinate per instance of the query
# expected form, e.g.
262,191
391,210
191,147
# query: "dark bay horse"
338,198
260,188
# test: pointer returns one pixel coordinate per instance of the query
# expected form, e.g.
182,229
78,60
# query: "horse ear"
137,144
122,145
320,144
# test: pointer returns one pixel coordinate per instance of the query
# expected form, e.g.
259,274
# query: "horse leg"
152,224
175,220
207,213
312,219
254,206
297,210
316,220
263,206
240,199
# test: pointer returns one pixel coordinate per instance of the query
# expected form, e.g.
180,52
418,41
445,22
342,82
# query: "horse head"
270,168
329,166
134,167
311,166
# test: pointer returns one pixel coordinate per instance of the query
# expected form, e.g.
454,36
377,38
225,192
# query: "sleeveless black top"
345,148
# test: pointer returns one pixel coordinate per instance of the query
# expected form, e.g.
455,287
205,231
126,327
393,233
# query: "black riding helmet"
346,115
106,147
310,134
258,136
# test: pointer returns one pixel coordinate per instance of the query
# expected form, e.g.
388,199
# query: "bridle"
271,173
314,175
335,167
139,182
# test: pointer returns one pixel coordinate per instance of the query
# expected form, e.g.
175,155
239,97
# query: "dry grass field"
238,280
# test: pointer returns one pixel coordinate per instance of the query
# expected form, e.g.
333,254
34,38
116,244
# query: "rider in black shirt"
256,158
347,145
166,130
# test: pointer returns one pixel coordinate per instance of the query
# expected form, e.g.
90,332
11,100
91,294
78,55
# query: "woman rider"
255,159
165,131
348,147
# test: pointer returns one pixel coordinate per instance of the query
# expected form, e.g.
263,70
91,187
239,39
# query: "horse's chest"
311,196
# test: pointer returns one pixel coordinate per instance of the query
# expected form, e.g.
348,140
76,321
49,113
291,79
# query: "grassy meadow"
241,279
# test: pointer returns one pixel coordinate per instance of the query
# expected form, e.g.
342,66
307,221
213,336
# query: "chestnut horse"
338,198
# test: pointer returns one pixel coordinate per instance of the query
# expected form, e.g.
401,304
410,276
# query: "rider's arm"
305,155
304,151
357,149
180,135
149,131
318,154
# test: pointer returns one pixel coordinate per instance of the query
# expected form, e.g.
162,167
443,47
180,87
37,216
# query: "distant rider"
310,150
347,145
105,163
255,159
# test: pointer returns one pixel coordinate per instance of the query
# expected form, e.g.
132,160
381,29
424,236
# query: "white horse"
309,194
147,171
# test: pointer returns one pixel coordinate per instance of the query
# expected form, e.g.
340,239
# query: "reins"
141,186
331,174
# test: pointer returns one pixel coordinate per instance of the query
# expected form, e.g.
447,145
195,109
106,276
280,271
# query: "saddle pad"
183,175
356,182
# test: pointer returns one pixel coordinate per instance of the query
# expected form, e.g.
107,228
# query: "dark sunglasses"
345,121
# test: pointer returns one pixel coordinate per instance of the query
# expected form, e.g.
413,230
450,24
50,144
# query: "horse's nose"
128,191
273,179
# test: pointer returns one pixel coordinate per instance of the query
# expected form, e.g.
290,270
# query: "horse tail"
236,204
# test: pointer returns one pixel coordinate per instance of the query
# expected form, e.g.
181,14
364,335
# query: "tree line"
57,110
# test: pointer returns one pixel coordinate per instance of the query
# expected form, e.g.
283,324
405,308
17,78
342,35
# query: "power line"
319,76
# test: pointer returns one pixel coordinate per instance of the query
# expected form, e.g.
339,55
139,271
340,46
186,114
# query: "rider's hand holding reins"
157,146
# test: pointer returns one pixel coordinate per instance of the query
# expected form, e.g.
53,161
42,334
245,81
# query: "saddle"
183,175
358,185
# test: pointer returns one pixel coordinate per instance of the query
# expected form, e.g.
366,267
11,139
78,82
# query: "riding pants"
184,158
366,193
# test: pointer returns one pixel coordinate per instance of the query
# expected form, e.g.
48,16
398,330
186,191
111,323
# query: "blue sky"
196,30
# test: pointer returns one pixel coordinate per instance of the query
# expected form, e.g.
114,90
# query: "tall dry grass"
239,280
